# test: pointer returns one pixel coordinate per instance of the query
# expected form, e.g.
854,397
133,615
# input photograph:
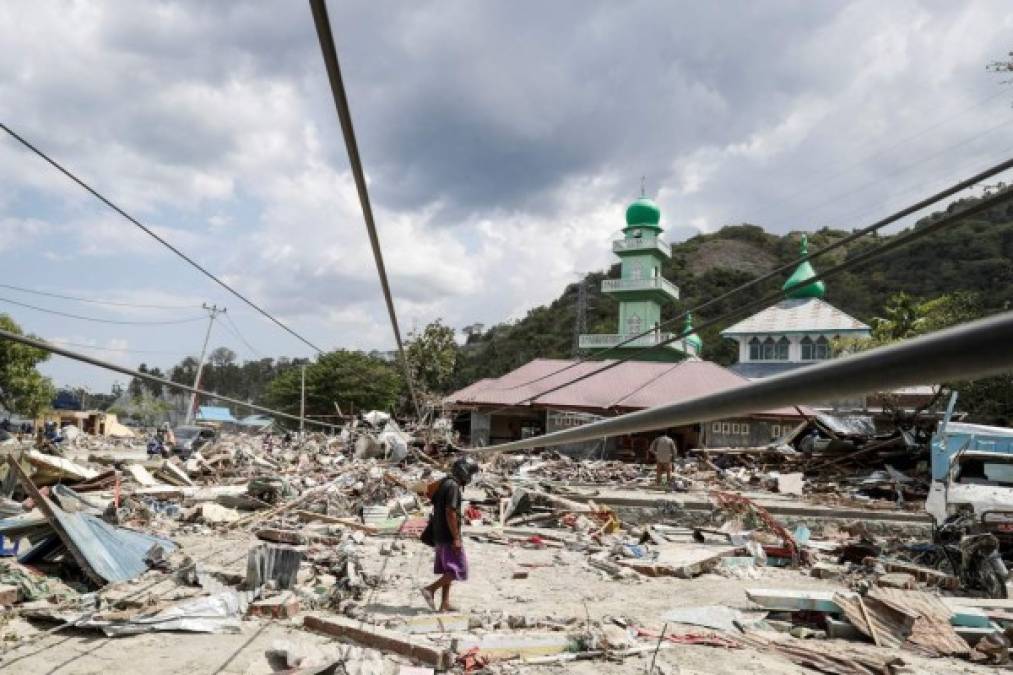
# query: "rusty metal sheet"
887,625
932,632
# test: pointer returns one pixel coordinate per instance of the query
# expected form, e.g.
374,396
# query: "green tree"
431,356
23,390
902,318
352,380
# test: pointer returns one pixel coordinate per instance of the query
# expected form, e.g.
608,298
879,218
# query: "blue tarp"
208,413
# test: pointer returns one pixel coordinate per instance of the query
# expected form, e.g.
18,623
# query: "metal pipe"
83,358
971,350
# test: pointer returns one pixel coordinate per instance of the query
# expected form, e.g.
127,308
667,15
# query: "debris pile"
91,539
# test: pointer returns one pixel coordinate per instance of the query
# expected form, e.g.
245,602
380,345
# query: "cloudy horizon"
501,141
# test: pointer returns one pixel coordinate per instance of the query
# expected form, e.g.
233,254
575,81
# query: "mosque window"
807,349
782,349
822,349
754,349
633,324
768,349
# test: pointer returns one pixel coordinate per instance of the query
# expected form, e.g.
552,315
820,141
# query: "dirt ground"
560,584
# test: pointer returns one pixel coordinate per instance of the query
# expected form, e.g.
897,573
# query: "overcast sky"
502,141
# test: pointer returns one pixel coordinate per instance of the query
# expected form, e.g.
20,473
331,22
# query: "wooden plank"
381,639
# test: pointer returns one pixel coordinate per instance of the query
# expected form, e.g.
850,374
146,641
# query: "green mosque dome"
796,288
643,212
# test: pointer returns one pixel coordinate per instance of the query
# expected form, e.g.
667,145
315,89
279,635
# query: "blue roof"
209,413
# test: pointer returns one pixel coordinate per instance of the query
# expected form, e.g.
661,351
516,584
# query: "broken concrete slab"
718,617
141,475
682,560
50,469
509,646
790,483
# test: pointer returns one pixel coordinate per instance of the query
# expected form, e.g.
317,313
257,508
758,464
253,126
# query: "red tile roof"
629,386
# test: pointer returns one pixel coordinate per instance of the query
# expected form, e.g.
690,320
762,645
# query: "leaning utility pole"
213,311
302,404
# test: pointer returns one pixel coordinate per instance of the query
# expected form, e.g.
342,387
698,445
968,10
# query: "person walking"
664,449
450,562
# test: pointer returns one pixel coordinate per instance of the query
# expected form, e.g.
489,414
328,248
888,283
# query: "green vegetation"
23,390
352,381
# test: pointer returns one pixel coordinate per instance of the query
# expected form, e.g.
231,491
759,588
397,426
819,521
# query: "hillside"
976,255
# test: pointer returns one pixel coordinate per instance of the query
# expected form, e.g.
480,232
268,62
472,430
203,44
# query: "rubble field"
252,556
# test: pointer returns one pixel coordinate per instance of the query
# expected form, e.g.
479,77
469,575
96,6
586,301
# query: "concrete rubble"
312,527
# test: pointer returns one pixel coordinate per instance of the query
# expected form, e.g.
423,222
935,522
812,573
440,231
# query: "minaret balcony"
603,341
632,288
640,244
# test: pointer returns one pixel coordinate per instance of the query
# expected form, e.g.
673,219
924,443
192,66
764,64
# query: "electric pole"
302,404
213,312
580,320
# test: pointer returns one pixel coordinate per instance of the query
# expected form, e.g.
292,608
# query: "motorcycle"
966,553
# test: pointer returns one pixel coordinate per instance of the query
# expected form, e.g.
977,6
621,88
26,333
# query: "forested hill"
975,255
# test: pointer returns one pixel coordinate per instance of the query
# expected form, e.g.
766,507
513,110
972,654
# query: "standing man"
664,450
451,562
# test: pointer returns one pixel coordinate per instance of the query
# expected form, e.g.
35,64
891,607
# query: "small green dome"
643,212
796,288
691,338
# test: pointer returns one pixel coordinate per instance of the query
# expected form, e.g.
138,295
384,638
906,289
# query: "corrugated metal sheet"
114,553
887,625
932,631
797,316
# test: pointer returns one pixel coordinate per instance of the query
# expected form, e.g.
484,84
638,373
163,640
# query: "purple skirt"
451,561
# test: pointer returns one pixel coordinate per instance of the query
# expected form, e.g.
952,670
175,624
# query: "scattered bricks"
380,639
283,606
826,570
520,574
896,580
925,575
9,595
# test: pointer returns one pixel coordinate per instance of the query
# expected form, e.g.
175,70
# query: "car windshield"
186,432
978,471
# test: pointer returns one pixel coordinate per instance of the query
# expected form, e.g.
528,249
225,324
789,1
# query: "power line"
231,326
97,320
84,358
96,302
976,349
874,227
155,236
330,54
80,345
